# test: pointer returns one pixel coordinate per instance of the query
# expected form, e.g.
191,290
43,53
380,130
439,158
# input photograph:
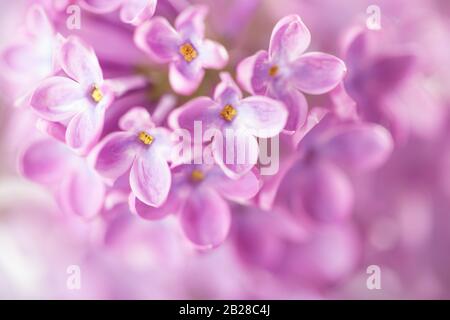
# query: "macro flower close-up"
224,150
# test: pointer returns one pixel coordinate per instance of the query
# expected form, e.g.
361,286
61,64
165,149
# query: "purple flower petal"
185,77
317,73
85,129
58,98
171,206
157,38
37,22
82,192
213,55
80,62
136,119
290,38
261,116
115,154
101,6
296,105
45,162
136,11
359,147
191,21
205,218
253,73
227,91
150,178
244,188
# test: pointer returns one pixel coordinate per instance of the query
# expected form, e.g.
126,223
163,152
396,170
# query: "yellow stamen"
228,112
188,52
273,71
145,138
96,94
197,175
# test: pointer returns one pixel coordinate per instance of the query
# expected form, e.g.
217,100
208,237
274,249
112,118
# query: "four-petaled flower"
285,71
141,147
184,48
238,120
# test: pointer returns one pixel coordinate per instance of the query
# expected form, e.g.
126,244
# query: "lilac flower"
285,71
131,11
183,47
143,150
77,187
316,187
247,119
198,196
31,57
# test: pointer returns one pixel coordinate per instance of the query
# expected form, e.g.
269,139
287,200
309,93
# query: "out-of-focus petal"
136,11
317,73
58,98
85,129
191,21
157,38
244,188
82,192
45,161
253,73
263,117
290,38
37,22
205,218
115,154
185,77
359,147
101,6
150,178
213,55
80,62
171,206
297,107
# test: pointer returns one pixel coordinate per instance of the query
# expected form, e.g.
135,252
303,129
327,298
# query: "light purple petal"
186,77
253,73
136,11
150,178
45,161
80,62
244,188
191,21
171,206
157,38
85,129
58,98
213,55
236,155
101,6
82,192
263,117
227,91
37,22
289,39
137,118
317,73
206,218
297,107
115,154
359,147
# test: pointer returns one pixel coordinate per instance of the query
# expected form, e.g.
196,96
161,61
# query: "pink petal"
37,22
82,192
171,206
253,73
101,6
201,109
80,62
317,73
235,155
136,11
45,161
150,178
185,77
115,154
158,39
85,129
263,117
297,107
58,98
213,55
191,21
243,188
205,218
137,118
289,39
227,91
359,147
